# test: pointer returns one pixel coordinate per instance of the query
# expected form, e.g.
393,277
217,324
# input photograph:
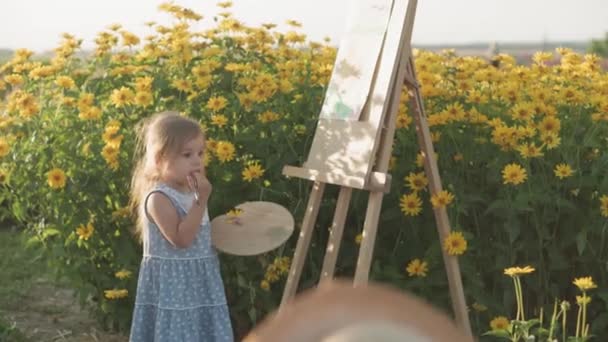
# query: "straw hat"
338,312
258,227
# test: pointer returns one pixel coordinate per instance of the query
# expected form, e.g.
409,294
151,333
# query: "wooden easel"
356,154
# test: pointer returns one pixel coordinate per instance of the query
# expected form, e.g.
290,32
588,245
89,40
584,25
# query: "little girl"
180,292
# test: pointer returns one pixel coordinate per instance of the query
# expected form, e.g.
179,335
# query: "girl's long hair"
159,138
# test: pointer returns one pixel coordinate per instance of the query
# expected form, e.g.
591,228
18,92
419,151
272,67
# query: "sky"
38,24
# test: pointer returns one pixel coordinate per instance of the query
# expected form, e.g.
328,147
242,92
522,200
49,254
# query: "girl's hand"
200,185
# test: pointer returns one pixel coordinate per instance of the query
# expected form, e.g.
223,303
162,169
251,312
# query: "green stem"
521,299
578,320
564,325
584,322
517,315
553,319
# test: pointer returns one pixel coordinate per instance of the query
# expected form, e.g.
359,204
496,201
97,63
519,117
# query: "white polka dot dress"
180,292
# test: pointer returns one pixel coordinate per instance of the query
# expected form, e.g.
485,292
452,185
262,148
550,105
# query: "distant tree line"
599,46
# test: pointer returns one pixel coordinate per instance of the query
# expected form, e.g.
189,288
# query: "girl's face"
187,161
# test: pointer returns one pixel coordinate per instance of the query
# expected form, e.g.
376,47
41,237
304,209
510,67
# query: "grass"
8,332
20,266
20,269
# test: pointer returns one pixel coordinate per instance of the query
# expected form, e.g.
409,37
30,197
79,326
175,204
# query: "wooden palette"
259,228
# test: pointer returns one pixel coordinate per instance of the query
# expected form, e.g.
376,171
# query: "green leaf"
513,229
497,205
581,241
498,333
48,232
34,240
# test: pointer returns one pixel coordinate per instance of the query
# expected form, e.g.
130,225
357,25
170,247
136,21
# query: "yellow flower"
4,147
513,174
455,244
283,264
265,285
14,79
518,271
403,121
358,238
224,4
219,120
562,171
583,300
279,266
90,113
410,204
224,151
121,213
27,104
217,103
522,111
442,199
143,98
110,153
65,82
268,116
417,181
420,159
417,268
499,323
293,23
549,124
529,150
122,97
234,212
56,178
584,283
143,83
85,232
122,274
550,140
116,294
252,171
542,57
604,205
110,135
114,27
182,85
129,38
233,215
455,112
85,100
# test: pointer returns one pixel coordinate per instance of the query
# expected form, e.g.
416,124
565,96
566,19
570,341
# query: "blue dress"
180,292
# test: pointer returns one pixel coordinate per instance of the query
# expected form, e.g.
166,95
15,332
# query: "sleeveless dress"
180,292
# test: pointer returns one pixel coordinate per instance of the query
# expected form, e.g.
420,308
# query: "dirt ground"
49,313
34,307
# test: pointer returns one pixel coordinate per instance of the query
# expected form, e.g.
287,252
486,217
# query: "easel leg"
370,227
441,217
335,233
308,223
374,204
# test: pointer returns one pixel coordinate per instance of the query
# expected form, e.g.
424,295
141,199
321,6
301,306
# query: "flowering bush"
521,151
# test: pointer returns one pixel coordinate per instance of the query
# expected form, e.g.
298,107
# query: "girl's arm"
180,233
